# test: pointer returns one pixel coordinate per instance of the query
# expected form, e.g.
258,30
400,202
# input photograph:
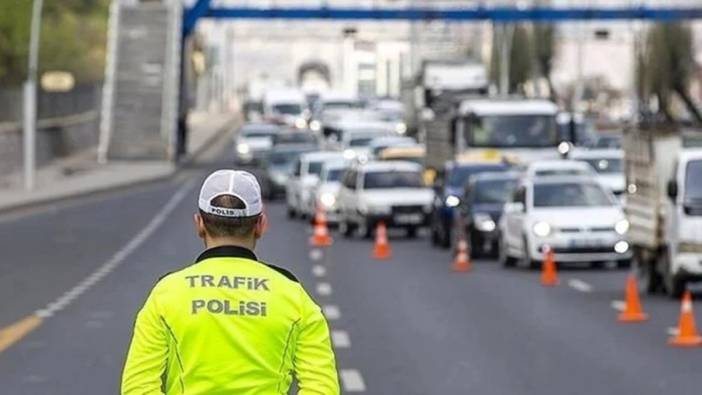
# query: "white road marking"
579,285
352,380
673,331
618,305
316,254
331,312
118,258
324,289
340,339
319,271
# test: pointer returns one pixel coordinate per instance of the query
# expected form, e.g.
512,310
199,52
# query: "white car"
326,193
609,165
356,138
545,168
378,144
392,192
306,172
254,141
575,216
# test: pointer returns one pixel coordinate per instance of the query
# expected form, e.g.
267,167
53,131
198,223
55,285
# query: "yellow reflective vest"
229,324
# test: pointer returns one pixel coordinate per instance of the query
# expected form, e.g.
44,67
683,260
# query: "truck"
663,169
438,84
517,129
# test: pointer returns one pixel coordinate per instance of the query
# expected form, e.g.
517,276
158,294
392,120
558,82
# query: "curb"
154,178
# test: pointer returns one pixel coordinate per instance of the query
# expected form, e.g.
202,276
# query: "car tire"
345,228
446,238
473,241
363,230
674,285
650,280
291,213
503,256
526,260
433,236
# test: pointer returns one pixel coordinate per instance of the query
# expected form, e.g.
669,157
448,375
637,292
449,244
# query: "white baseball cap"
237,183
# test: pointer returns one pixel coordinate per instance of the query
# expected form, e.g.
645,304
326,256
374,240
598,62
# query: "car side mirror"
672,189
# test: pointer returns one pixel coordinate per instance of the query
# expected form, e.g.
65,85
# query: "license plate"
586,243
408,218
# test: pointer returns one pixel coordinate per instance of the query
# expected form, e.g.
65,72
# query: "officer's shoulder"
285,272
168,276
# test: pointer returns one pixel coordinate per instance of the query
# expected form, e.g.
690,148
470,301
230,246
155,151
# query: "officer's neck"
248,243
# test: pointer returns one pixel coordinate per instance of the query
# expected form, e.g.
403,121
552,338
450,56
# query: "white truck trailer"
664,207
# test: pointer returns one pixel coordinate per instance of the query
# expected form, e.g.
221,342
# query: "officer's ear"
261,226
199,226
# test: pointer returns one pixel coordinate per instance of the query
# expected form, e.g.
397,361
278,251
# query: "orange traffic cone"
462,261
320,237
549,276
633,311
687,330
382,249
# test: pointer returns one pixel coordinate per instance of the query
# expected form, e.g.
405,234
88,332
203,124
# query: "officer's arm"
148,353
315,365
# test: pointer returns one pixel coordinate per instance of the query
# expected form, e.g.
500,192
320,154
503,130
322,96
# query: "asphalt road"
405,326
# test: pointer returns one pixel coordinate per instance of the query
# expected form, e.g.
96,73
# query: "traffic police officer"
229,323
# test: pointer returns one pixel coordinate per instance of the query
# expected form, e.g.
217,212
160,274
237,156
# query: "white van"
286,106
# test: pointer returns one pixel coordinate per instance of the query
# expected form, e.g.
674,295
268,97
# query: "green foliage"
73,38
520,64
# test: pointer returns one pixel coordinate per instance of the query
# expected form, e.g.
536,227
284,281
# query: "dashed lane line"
316,254
324,289
618,305
331,312
319,271
673,331
352,380
579,285
340,339
15,332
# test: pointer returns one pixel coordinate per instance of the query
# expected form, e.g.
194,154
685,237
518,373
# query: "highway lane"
406,326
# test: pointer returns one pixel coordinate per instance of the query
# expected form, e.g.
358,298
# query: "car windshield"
606,165
334,175
560,172
287,109
341,105
609,142
513,131
315,168
693,180
258,134
584,133
459,175
282,158
571,194
295,138
360,141
493,191
392,179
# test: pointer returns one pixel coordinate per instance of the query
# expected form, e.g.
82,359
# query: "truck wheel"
674,285
345,228
363,230
677,287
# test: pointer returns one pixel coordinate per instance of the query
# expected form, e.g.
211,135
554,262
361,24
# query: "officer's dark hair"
218,226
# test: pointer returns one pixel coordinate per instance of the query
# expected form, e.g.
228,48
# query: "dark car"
609,140
579,131
279,164
481,208
449,190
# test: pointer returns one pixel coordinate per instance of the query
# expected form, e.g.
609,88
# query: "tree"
73,39
544,52
520,64
667,68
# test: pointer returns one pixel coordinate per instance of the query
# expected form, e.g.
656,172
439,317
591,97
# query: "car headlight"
542,229
315,126
300,123
328,200
621,227
243,148
452,201
484,223
401,128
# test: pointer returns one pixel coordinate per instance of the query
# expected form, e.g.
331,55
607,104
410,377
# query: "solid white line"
324,289
580,285
319,271
331,312
118,258
352,380
618,305
340,339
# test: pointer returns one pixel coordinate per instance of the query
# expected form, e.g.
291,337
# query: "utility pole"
30,98
506,32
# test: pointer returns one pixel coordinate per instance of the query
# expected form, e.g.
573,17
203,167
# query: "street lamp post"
30,98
